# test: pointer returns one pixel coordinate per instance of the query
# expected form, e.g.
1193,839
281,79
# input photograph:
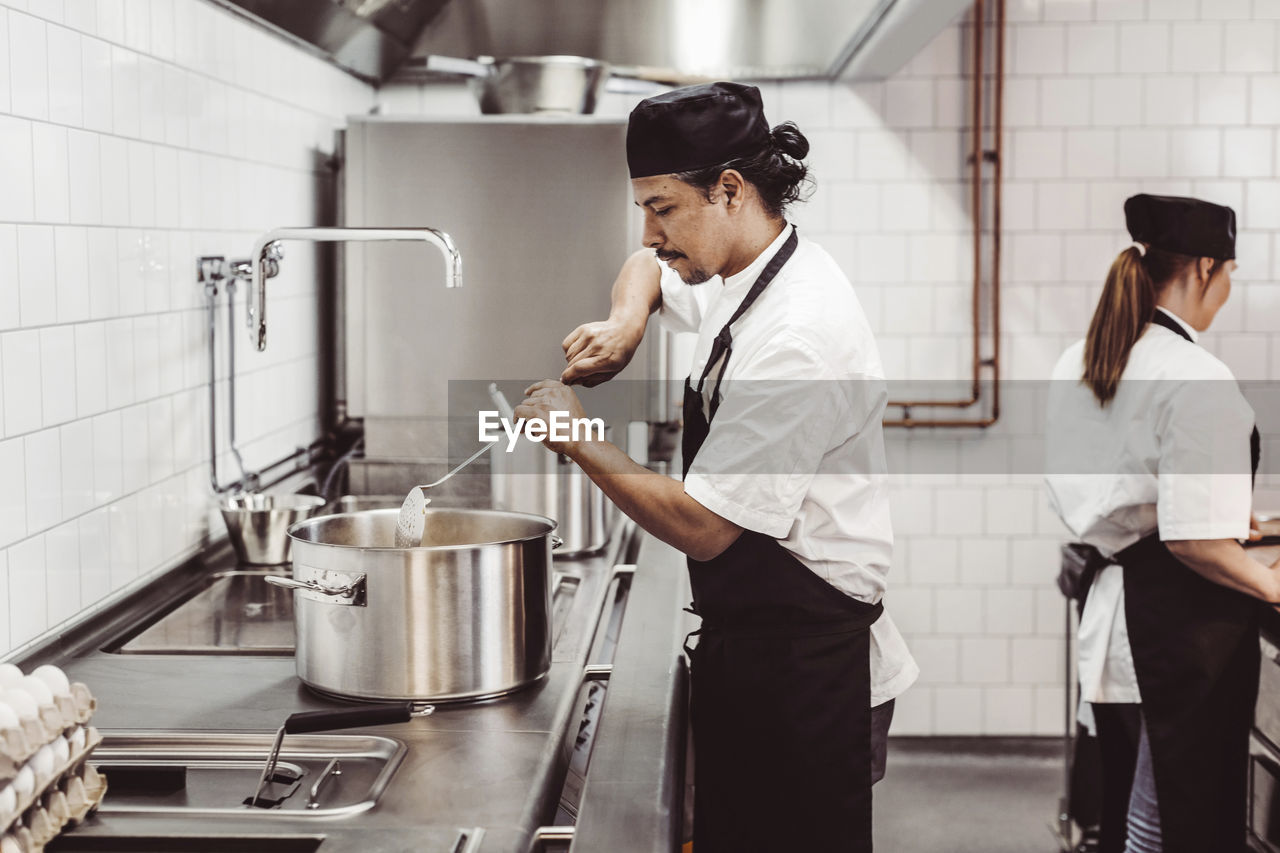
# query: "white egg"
9,844
61,751
38,689
10,676
43,763
54,678
78,739
22,703
8,716
8,801
25,782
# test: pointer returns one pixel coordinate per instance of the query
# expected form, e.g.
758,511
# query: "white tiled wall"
135,136
1104,98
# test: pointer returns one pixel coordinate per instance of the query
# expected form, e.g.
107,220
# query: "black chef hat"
1187,226
695,127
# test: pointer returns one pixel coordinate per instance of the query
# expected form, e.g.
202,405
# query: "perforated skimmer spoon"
413,520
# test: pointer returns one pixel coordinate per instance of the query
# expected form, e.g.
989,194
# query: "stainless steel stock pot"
464,616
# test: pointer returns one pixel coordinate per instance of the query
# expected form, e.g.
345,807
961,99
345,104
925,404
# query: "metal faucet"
267,254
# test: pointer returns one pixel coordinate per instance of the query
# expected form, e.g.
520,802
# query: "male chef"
782,508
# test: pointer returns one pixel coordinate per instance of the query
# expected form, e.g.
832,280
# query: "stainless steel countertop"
479,777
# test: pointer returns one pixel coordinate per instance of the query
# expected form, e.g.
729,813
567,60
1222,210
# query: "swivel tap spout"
267,254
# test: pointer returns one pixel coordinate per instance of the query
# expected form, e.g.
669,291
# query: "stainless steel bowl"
543,84
258,524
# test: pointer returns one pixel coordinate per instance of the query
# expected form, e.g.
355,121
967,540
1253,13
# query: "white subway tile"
44,479
1144,48
1008,711
983,561
909,103
1263,204
1091,153
1092,49
78,497
1247,153
1120,10
1264,100
1173,10
104,272
1066,102
958,611
1117,101
58,374
984,660
1229,193
28,616
36,265
162,30
137,25
9,285
1170,100
150,540
151,124
1223,99
1019,11
1245,354
66,77
62,572
83,180
1021,104
80,15
1063,206
958,512
1251,47
1068,10
20,362
146,350
97,104
124,542
1010,612
1039,49
1039,660
17,202
91,369
72,274
160,429
95,556
1196,153
126,101
131,256
881,155
29,54
1037,154
135,434
111,20
1197,47
938,659
120,363
142,184
1225,9
932,561
807,103
1035,257
957,710
1143,153
108,457
13,502
1010,511
115,180
50,172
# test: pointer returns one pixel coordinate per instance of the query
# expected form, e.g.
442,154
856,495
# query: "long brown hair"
1128,301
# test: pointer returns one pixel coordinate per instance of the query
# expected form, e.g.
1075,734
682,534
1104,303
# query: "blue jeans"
1144,813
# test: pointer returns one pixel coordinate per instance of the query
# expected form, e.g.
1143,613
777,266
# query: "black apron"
780,681
1196,655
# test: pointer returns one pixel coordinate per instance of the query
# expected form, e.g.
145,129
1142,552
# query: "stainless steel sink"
211,774
237,612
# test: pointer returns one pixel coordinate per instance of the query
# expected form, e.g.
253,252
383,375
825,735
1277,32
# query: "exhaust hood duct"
735,39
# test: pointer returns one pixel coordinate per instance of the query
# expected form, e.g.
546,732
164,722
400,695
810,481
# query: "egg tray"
73,792
19,744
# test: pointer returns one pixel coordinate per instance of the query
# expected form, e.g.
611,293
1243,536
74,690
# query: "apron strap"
723,344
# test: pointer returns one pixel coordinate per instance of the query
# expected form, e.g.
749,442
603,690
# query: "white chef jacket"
1170,452
796,449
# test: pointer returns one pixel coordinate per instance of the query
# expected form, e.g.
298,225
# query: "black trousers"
1118,729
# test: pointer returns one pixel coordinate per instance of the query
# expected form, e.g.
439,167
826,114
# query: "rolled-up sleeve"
681,310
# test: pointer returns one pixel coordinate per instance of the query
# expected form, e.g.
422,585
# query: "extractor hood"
734,39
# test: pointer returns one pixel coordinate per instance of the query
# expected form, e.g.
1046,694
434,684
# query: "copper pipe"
979,155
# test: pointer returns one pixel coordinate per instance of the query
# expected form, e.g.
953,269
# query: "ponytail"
778,172
1127,303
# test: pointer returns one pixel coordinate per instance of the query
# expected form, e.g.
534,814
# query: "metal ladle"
412,520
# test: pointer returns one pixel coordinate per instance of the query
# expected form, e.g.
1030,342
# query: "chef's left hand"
543,398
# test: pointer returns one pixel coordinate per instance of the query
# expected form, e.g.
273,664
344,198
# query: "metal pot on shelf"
530,84
464,616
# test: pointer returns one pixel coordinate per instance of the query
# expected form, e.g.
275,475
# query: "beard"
696,275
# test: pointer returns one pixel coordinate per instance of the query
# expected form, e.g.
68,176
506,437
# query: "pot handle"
372,715
556,542
457,65
350,591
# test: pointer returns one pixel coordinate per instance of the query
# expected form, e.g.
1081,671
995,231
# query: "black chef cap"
1187,226
695,127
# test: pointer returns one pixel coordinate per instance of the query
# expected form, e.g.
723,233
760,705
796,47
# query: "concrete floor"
969,795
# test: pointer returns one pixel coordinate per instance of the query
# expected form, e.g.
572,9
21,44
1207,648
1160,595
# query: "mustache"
667,257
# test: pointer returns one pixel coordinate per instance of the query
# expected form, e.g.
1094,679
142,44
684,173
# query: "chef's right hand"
597,352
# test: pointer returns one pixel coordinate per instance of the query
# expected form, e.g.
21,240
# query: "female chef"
1152,449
